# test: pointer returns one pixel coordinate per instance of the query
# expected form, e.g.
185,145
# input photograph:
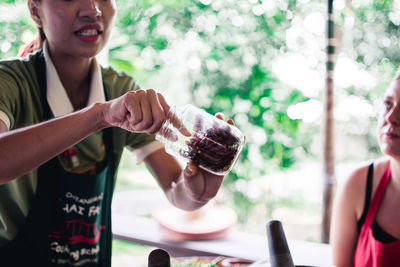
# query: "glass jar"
194,135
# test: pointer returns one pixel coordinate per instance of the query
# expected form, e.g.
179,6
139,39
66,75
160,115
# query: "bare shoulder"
352,192
380,166
357,179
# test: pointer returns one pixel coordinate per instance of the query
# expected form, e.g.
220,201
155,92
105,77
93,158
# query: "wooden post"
328,145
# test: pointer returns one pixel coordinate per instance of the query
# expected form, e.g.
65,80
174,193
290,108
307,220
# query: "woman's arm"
347,210
25,149
189,188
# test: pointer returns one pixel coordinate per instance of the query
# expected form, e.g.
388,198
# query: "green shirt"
20,100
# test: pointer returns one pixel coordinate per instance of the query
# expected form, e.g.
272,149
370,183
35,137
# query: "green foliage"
17,28
225,66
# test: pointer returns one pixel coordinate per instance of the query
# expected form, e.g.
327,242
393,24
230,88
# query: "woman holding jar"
64,122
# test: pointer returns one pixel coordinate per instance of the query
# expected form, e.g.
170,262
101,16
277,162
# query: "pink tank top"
369,251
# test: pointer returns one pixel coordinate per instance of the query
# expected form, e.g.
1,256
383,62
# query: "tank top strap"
378,196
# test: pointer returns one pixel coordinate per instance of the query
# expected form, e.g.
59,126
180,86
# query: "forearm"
25,149
170,176
177,194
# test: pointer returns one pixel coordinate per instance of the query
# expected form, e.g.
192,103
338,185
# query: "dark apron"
69,220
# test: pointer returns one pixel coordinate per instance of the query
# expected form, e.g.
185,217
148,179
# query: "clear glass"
195,135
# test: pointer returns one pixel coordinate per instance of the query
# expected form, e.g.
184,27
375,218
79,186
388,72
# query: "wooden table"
236,244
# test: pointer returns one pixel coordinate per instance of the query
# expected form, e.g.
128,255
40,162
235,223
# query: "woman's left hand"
201,185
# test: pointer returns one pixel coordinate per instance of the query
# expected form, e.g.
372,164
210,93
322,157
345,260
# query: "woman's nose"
90,9
394,116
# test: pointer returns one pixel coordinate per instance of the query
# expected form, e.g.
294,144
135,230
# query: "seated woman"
366,218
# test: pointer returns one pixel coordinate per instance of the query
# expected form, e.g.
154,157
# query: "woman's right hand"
137,111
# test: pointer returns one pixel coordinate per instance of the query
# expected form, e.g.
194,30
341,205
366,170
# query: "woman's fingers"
147,119
167,133
163,103
133,106
201,185
220,115
146,111
176,122
194,181
158,112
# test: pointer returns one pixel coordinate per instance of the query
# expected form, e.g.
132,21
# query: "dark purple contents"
213,148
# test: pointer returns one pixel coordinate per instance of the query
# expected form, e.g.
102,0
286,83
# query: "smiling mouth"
89,32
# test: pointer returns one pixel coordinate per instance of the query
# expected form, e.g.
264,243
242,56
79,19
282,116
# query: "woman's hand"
188,188
201,185
137,111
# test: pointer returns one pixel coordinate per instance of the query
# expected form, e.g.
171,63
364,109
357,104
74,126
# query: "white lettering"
74,208
59,248
81,210
77,255
93,210
86,201
90,251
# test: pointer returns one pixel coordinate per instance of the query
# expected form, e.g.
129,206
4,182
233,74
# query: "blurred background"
262,63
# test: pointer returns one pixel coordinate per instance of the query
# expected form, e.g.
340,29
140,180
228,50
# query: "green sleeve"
20,97
135,140
9,94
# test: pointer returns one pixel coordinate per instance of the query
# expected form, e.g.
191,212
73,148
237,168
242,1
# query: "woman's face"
77,28
389,121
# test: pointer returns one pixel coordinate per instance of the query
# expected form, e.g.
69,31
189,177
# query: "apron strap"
40,68
378,196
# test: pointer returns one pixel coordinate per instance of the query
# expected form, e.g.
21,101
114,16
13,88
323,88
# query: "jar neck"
173,112
168,130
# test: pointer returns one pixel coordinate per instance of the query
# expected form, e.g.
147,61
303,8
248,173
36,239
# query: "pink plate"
210,222
219,261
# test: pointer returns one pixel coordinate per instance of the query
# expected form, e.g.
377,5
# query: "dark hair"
36,43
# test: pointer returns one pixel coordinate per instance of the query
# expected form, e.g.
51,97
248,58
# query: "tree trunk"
329,141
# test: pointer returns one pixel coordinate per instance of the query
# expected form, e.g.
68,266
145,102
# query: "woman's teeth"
88,32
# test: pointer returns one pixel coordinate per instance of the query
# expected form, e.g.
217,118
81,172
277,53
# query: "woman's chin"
392,151
89,53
